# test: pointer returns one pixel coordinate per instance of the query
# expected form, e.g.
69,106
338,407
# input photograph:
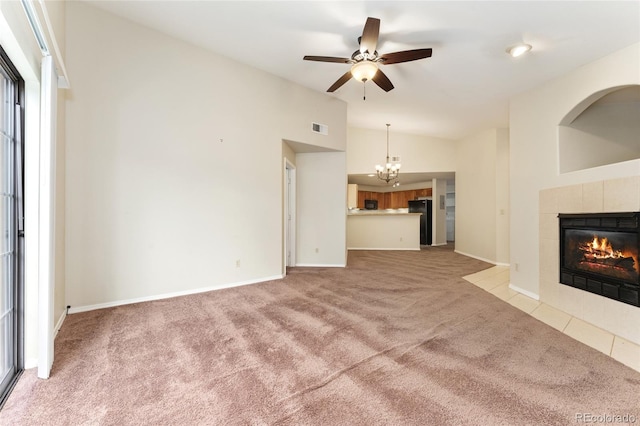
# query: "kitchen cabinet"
425,192
352,195
393,200
363,195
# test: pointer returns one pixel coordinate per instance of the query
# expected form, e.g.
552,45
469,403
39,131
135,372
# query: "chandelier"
390,171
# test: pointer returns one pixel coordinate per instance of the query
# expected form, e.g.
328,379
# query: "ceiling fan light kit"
366,60
365,70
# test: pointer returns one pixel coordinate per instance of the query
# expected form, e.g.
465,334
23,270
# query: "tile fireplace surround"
616,195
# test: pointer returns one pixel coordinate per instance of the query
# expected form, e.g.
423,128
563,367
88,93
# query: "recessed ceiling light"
518,49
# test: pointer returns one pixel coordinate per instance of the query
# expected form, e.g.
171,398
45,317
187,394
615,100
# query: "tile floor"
495,280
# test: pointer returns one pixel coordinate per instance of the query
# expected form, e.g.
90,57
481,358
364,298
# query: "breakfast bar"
390,229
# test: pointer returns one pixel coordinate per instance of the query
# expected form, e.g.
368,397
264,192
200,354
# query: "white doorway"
289,215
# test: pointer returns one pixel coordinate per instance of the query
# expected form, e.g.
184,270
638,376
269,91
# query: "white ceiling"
463,88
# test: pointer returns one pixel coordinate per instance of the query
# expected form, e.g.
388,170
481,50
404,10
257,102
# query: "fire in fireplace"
599,254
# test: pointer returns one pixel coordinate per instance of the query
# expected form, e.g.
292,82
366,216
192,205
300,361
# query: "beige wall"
534,119
174,164
482,199
288,153
322,203
366,148
502,211
605,133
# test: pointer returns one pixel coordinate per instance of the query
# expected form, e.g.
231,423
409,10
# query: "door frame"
16,169
289,216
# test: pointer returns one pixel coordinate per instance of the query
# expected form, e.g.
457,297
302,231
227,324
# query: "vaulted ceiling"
464,87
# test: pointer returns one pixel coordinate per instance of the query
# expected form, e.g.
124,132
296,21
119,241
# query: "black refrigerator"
424,207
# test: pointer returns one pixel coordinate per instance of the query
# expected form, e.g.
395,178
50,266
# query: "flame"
602,248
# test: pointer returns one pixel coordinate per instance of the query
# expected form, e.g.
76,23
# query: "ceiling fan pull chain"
364,91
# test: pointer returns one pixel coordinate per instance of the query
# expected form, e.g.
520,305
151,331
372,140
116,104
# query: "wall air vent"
323,129
395,159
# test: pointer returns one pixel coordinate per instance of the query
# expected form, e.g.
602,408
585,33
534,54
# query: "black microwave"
371,204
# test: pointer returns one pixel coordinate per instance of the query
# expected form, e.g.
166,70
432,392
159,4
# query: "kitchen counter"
380,212
392,229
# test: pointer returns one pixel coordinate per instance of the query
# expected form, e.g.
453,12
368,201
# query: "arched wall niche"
602,129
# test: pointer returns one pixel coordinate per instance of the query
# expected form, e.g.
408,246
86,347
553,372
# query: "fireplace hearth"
599,254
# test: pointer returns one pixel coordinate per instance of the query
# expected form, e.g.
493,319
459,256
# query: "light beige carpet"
396,338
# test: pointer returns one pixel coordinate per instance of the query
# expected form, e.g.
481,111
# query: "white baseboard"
77,309
319,265
493,262
59,323
525,292
384,248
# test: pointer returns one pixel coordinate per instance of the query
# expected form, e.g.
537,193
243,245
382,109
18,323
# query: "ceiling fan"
364,62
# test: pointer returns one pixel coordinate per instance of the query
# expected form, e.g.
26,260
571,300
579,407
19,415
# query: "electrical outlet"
516,267
401,239
317,250
238,263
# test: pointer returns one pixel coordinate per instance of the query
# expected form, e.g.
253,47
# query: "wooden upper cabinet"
387,200
369,195
361,197
392,200
397,199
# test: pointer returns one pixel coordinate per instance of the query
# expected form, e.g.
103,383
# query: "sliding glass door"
11,221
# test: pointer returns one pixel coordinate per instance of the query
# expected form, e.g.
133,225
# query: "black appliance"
424,207
371,204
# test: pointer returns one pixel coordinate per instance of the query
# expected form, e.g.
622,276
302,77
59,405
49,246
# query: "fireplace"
599,254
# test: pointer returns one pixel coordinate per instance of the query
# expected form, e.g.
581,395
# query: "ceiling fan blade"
327,59
405,56
382,80
342,80
370,33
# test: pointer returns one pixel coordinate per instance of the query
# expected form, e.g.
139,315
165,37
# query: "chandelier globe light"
390,171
